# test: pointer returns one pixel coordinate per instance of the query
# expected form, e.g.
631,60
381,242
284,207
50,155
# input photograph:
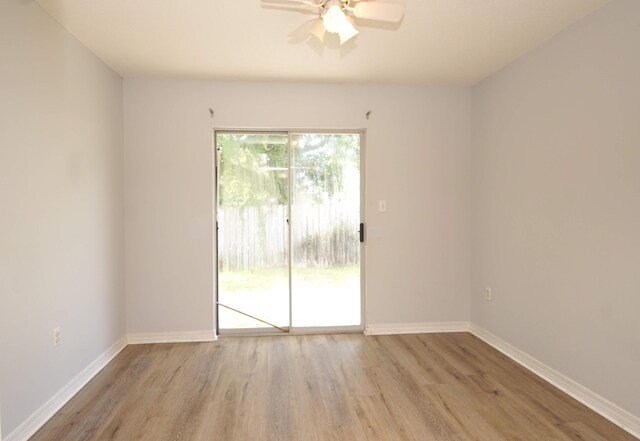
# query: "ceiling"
440,42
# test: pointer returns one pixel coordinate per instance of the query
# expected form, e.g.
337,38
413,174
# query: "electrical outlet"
57,336
487,294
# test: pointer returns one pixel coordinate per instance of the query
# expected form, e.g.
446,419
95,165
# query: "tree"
254,167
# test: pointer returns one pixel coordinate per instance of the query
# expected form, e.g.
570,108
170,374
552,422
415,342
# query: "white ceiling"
452,42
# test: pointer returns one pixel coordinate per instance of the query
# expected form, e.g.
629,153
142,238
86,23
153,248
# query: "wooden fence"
257,237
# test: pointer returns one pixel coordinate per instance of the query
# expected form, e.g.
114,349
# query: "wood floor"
325,387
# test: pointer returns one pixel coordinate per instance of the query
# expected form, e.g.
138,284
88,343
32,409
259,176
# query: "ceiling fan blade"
299,7
317,29
290,3
303,32
377,10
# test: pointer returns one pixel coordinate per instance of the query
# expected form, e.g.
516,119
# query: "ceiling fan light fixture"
334,19
347,32
318,30
337,16
336,22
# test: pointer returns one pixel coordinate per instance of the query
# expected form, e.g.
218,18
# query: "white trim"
602,406
362,133
416,328
171,337
607,409
31,425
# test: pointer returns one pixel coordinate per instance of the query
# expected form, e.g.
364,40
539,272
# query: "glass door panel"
325,218
253,232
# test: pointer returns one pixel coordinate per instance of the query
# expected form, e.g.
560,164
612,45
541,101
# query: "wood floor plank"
430,387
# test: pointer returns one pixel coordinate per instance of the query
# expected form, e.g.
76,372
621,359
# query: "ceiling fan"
337,16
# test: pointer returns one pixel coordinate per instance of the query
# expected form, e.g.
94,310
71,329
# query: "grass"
268,278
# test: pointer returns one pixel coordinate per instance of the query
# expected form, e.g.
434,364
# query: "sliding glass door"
288,242
325,251
253,238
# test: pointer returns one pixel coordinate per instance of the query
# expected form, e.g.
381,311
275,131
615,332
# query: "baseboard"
171,337
31,425
607,409
416,328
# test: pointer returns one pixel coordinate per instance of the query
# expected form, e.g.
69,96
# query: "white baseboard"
607,409
171,337
416,328
31,425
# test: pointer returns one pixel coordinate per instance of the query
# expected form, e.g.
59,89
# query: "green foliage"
321,161
253,170
254,167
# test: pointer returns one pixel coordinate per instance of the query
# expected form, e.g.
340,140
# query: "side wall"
61,221
417,158
556,203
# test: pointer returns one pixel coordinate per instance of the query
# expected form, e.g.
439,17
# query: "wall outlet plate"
487,294
57,336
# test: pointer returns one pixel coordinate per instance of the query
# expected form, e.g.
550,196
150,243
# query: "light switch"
382,206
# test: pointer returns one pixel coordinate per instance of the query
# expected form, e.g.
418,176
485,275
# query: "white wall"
61,221
417,158
556,203
554,207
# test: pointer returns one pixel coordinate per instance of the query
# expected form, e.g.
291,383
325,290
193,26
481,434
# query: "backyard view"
262,203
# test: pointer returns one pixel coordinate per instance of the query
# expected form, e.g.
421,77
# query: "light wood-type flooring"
324,387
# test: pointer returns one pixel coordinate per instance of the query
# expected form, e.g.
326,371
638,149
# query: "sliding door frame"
216,191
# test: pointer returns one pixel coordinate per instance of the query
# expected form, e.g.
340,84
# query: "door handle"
361,231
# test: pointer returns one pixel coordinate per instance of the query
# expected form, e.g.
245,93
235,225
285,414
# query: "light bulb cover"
347,32
336,21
